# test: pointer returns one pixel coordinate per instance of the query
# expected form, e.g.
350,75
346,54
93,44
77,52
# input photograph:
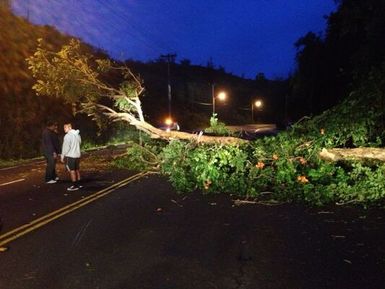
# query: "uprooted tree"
288,165
80,78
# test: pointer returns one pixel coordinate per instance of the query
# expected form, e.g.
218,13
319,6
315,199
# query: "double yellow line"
34,225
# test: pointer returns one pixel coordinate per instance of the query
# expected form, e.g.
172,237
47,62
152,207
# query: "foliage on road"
289,165
217,127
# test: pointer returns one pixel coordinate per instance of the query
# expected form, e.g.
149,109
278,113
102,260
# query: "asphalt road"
144,235
24,196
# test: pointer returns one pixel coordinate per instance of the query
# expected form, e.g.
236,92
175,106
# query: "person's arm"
65,148
46,143
56,143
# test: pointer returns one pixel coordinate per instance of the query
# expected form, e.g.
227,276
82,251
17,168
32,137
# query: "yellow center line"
66,207
12,182
24,229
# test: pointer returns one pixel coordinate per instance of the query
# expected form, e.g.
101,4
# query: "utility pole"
28,10
170,58
213,96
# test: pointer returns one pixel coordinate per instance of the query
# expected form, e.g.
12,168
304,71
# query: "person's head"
67,127
52,125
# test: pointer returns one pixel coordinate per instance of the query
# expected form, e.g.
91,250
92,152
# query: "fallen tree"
80,78
290,165
357,154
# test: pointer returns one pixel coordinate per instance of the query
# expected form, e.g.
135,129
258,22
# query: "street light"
256,103
168,121
221,96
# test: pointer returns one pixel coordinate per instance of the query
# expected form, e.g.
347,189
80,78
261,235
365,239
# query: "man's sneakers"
73,188
53,181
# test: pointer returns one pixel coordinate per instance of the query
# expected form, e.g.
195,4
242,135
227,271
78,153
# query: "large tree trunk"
360,154
170,135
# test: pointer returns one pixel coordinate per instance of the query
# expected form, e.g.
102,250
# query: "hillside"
21,112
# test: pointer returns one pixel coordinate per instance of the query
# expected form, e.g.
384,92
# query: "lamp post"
221,96
256,103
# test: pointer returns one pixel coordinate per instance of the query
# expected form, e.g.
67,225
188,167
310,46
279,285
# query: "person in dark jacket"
51,151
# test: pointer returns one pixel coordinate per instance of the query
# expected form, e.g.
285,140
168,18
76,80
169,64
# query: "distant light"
258,103
168,121
222,96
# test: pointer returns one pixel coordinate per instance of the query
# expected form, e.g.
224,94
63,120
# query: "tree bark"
200,138
360,154
156,133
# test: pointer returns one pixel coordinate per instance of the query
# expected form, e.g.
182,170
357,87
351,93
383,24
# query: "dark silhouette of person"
51,151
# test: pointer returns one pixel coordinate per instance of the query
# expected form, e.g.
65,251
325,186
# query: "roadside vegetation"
287,166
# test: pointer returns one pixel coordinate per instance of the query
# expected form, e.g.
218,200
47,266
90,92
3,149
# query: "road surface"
145,235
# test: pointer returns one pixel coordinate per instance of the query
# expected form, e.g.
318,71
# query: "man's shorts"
72,164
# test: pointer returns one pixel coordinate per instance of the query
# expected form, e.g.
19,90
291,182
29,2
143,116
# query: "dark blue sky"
243,36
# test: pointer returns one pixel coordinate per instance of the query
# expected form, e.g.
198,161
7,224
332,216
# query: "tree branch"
340,154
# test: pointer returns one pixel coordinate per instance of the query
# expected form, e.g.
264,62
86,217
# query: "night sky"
245,36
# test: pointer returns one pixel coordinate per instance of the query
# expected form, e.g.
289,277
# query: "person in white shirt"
70,155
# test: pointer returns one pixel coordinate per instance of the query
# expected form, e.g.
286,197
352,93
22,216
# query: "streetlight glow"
258,103
168,121
222,96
